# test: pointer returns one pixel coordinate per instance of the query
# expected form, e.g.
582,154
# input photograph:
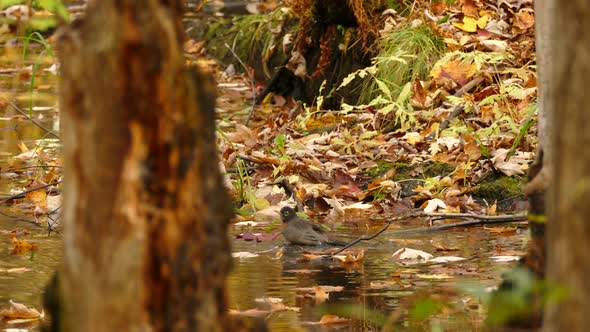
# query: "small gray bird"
302,232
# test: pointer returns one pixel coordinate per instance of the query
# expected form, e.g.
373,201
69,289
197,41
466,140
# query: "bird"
302,232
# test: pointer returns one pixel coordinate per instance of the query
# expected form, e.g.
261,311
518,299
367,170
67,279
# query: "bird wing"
307,235
318,228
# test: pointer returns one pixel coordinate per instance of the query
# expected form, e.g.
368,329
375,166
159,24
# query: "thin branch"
50,132
23,193
17,218
472,220
252,83
28,167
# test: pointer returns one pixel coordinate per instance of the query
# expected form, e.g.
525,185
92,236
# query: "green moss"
214,27
438,169
499,189
382,167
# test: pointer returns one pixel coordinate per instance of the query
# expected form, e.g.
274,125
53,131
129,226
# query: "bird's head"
287,214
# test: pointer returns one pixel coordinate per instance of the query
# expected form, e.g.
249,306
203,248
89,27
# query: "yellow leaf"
469,24
482,22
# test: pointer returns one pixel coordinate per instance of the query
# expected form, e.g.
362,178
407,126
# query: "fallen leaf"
434,204
243,254
37,197
23,244
275,307
18,310
320,294
433,276
332,319
455,70
249,312
523,20
350,256
504,258
501,230
446,259
411,256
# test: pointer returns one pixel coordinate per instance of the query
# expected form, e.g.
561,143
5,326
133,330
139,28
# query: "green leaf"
388,108
384,88
404,95
367,135
55,6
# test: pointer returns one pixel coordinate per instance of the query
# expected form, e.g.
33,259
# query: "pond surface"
369,286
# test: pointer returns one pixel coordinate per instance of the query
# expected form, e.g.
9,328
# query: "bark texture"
569,227
146,246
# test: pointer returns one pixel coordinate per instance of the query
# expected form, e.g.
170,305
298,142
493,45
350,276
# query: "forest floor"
459,140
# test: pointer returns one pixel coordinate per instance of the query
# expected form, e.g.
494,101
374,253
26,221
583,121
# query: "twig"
470,85
23,193
28,167
252,83
50,132
20,219
473,220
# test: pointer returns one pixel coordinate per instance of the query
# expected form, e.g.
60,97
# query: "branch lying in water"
470,220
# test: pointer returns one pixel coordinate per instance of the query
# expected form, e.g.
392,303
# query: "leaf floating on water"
22,246
333,319
505,258
243,254
411,256
16,270
446,259
249,312
18,310
275,307
351,256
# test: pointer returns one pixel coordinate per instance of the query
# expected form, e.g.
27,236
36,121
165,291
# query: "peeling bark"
146,214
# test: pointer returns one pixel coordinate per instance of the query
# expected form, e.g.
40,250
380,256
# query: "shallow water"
368,285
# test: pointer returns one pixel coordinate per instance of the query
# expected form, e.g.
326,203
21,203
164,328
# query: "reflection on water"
27,287
369,284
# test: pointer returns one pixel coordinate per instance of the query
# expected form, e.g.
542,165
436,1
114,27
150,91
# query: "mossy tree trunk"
568,247
146,246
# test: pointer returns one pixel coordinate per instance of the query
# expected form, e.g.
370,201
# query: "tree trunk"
569,227
146,246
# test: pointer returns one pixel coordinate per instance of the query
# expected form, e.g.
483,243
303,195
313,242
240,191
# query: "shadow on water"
369,287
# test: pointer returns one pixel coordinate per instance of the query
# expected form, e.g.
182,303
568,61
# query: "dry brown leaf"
523,20
501,230
333,319
22,245
249,312
455,70
320,294
351,256
275,307
37,197
18,310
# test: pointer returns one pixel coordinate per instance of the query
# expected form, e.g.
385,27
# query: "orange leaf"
333,319
18,310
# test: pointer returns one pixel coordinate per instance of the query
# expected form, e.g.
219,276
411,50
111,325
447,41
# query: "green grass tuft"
405,54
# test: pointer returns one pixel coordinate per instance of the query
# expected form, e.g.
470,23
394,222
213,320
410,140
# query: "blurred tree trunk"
568,229
146,246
